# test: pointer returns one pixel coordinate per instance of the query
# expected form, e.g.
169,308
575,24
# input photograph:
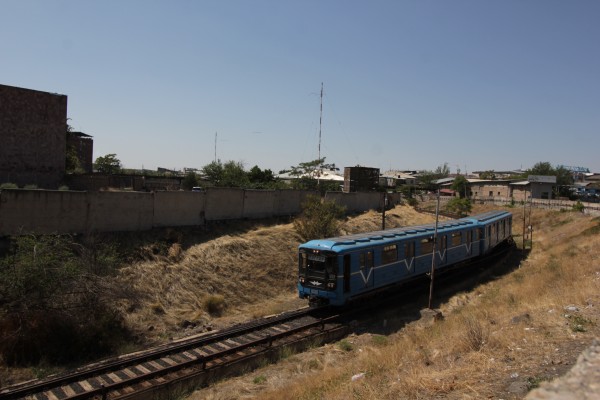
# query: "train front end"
318,275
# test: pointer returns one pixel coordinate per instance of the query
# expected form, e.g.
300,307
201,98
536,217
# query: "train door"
347,273
442,247
366,268
469,241
409,256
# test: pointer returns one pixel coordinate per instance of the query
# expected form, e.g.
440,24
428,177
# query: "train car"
342,269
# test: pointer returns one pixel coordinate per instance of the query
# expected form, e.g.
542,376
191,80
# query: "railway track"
186,364
189,363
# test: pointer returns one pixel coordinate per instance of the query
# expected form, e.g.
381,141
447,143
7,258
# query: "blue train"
341,269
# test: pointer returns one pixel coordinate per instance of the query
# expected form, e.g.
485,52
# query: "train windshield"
317,264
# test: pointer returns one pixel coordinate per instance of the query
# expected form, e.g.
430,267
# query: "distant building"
536,187
361,179
84,148
399,178
33,128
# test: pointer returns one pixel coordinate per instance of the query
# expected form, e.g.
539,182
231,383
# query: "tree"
319,219
189,181
234,175
460,185
491,175
213,172
564,178
109,164
459,206
55,303
442,171
428,177
307,174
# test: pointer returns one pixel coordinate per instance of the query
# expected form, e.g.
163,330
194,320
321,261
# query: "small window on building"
491,194
390,254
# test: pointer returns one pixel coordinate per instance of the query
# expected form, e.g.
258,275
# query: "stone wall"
33,128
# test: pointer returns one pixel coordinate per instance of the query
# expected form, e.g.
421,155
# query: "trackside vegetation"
319,218
55,300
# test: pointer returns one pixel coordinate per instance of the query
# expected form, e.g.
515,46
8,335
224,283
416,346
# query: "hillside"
525,325
497,341
253,269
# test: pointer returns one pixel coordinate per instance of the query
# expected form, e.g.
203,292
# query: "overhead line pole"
432,274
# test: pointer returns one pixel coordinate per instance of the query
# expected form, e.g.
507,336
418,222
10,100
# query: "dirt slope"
254,270
496,342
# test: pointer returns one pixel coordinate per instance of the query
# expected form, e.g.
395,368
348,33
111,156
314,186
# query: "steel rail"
107,366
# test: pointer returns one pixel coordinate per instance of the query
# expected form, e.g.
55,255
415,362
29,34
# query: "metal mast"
215,146
320,125
320,122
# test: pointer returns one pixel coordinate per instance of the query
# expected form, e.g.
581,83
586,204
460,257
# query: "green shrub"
8,185
319,219
214,304
345,345
579,207
459,206
53,308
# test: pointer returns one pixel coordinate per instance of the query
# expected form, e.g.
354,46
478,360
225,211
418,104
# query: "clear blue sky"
408,84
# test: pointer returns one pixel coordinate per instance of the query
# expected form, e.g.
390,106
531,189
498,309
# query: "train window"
456,238
443,243
481,233
303,260
469,236
427,245
409,250
366,260
389,254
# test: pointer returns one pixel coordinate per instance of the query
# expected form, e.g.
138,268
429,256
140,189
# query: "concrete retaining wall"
224,204
179,208
259,203
120,211
43,211
289,202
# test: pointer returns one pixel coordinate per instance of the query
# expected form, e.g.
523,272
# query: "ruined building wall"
33,128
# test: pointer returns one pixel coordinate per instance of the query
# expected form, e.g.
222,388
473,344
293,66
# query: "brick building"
84,149
360,179
33,127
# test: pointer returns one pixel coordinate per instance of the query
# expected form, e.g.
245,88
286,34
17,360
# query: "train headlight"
301,279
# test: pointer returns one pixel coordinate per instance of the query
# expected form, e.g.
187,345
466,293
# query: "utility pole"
432,274
385,200
524,226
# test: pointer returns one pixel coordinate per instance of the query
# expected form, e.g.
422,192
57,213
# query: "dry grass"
493,343
253,273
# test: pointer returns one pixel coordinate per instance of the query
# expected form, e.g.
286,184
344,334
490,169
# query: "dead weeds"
498,341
